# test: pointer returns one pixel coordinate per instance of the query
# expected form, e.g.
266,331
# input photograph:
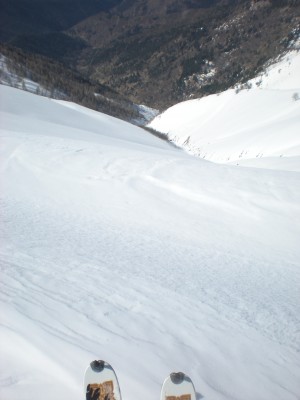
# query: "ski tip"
97,365
177,377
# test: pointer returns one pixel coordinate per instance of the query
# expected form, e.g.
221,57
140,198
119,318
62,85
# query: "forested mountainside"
58,81
155,52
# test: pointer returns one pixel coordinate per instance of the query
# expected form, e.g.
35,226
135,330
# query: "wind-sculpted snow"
116,245
257,125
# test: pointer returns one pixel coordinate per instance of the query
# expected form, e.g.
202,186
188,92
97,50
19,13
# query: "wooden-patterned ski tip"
101,382
178,386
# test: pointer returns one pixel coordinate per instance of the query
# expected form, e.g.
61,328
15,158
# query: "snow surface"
117,245
258,127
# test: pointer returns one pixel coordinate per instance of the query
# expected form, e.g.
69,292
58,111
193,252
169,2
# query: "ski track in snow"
116,245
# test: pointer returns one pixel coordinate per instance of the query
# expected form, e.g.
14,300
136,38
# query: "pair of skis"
101,383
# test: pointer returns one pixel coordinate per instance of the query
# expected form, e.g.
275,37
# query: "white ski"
178,386
101,382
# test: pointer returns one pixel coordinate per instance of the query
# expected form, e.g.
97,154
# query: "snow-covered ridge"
258,127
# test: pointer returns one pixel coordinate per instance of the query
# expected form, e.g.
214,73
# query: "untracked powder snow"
116,245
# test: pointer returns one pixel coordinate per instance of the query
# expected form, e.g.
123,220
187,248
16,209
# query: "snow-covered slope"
116,245
259,127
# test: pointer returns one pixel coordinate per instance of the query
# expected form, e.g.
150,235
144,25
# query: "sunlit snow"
116,245
258,127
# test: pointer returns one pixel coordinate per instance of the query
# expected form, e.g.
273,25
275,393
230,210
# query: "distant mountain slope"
155,52
165,52
23,17
258,126
47,77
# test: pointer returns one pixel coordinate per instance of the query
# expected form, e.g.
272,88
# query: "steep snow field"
259,127
116,245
